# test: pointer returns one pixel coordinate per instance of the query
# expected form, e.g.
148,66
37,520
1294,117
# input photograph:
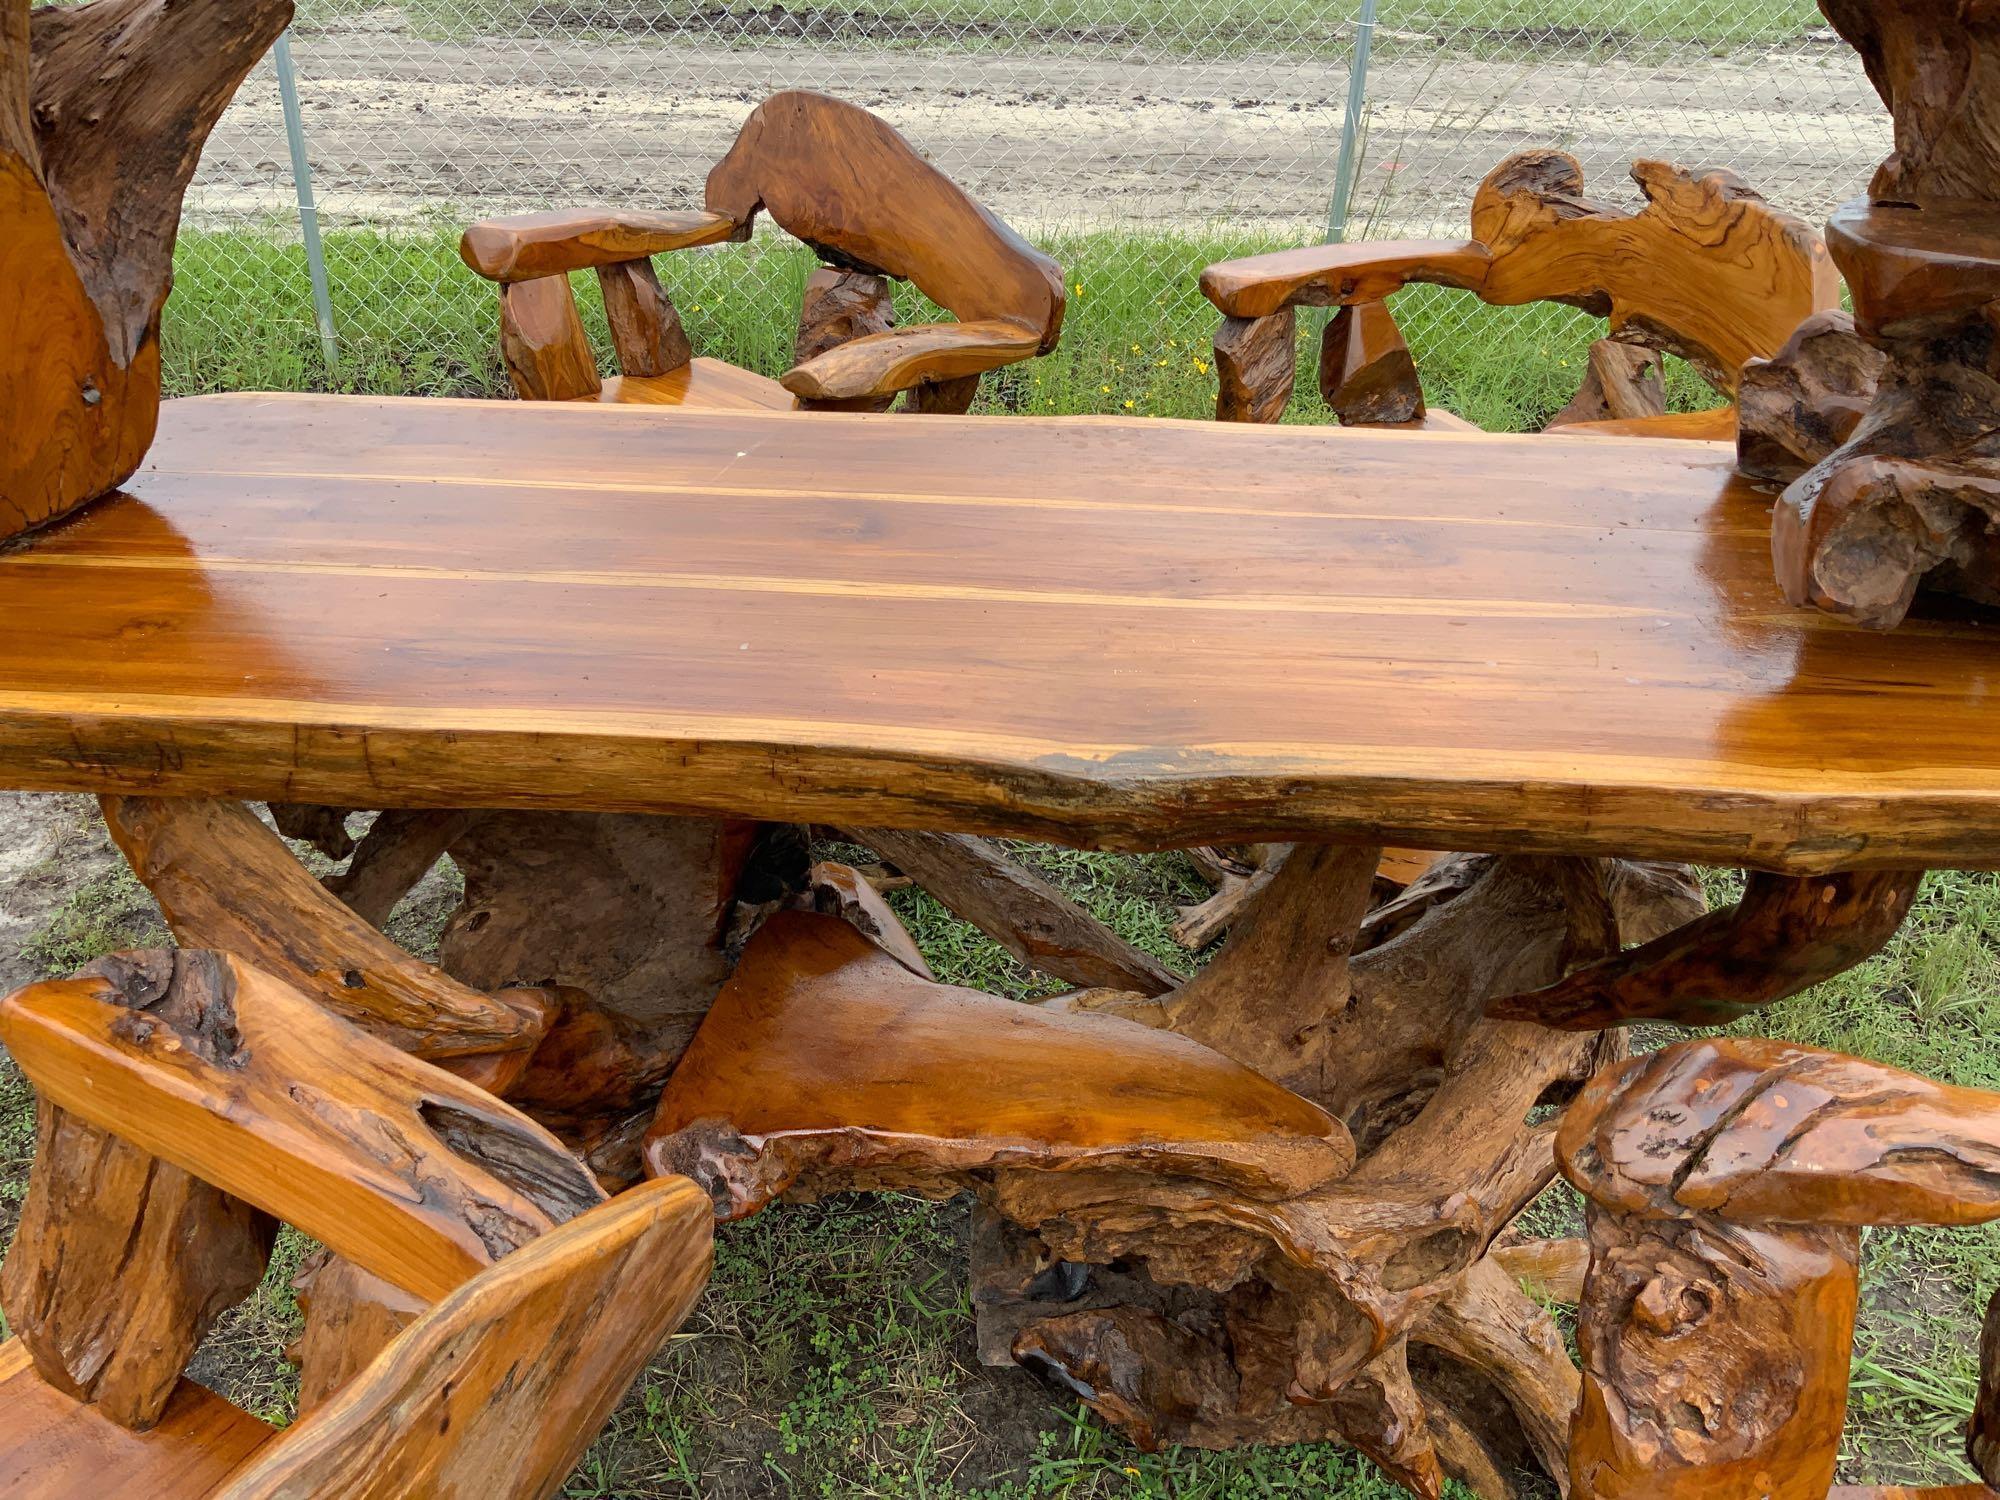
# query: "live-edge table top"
1096,630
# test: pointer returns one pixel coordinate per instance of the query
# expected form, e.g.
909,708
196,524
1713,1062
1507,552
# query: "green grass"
1161,27
413,320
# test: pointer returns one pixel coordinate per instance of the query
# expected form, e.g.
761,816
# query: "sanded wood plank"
1137,633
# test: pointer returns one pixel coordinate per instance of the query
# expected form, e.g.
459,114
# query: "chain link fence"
1133,136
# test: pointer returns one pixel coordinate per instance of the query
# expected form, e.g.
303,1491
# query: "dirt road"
400,125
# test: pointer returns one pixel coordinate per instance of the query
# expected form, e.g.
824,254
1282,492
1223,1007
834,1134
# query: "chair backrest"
1707,270
496,1391
843,181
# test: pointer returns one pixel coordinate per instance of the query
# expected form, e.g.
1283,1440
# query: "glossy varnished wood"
1123,631
55,1448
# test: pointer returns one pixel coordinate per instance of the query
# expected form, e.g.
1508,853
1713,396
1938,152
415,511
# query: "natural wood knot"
1667,1305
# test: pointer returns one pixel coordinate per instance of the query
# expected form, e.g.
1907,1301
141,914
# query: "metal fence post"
1350,125
295,137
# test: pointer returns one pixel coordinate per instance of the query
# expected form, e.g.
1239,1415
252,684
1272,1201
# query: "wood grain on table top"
1121,631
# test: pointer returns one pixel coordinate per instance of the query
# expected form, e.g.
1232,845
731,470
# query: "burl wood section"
1910,498
1430,644
1728,1181
1707,271
103,111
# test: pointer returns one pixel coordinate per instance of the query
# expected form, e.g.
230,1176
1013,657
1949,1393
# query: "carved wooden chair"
849,186
484,1309
1707,271
1728,1182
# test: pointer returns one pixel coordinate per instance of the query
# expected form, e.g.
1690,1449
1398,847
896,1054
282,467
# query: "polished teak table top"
1124,632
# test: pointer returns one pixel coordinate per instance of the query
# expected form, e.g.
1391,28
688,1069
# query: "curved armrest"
243,1082
1340,275
521,247
882,364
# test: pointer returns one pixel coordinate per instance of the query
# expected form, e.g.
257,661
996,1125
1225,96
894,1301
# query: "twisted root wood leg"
1210,1289
1785,935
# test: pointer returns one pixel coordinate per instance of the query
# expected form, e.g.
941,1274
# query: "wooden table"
1105,631
1097,631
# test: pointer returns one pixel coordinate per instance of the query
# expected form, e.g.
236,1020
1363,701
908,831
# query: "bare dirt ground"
400,125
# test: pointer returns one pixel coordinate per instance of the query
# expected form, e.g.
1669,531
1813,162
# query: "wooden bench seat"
712,384
824,1053
54,1447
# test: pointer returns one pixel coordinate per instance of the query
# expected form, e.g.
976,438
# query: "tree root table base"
1273,1204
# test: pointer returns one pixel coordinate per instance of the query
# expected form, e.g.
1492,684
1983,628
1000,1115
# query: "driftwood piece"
1762,1131
1784,936
942,398
596,1065
914,358
822,169
630,909
120,1265
351,1315
325,828
1018,909
1268,1000
1911,499
543,344
1366,374
1715,1359
893,1080
398,850
1796,407
103,112
840,305
528,247
1194,1304
225,881
53,1448
248,1084
500,1387
1237,882
1256,364
1621,383
645,327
